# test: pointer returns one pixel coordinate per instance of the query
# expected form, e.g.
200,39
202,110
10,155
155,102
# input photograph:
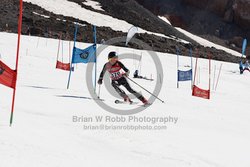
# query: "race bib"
116,75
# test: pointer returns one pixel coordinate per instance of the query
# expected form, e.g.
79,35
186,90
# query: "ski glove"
99,81
127,73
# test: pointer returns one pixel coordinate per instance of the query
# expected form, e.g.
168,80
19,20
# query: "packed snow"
93,4
207,43
45,16
202,41
200,132
165,19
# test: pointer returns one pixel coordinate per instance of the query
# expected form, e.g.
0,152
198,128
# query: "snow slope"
207,43
203,41
208,133
93,4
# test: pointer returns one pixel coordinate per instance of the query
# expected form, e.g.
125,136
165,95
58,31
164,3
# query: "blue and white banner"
185,75
84,55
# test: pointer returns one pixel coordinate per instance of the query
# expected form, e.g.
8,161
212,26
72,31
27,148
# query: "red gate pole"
17,57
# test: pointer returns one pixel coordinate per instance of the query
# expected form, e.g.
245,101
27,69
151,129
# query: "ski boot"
128,100
145,102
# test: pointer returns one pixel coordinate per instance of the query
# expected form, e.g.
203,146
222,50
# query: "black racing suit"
118,79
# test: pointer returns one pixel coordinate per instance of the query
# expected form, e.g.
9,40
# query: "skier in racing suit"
114,67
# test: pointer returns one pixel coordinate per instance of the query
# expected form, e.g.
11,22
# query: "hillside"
225,22
42,21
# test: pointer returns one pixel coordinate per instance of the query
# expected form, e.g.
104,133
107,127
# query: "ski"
99,99
124,102
146,105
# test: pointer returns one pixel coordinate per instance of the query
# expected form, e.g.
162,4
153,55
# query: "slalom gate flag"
131,32
198,92
84,55
7,76
201,92
63,66
185,75
244,45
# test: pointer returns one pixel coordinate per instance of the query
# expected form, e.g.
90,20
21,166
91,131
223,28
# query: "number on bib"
115,74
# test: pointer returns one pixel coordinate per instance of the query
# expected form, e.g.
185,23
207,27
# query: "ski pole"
145,89
218,77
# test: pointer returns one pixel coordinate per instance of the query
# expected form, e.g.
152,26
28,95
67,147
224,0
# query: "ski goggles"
116,57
